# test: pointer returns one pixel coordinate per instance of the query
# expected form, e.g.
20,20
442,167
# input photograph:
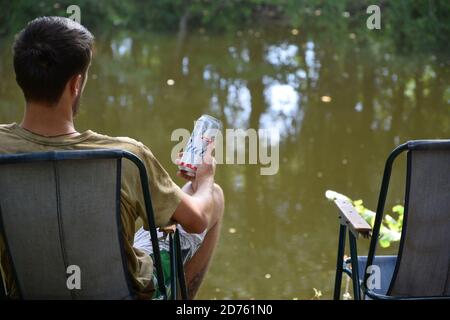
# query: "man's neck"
48,120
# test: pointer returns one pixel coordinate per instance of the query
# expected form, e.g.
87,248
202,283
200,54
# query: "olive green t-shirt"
166,195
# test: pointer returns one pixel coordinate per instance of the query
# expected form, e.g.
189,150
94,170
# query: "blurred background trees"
409,25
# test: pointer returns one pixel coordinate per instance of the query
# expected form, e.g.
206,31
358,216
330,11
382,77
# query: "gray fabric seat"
386,266
423,267
57,214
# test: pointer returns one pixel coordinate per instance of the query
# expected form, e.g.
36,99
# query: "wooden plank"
350,217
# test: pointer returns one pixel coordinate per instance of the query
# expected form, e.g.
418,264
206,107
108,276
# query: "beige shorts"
189,242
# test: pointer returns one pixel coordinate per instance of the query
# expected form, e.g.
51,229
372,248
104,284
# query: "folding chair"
61,209
421,269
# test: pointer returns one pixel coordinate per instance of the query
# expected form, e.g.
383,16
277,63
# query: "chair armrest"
349,216
176,263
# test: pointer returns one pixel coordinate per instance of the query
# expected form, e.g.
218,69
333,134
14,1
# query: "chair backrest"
423,264
60,213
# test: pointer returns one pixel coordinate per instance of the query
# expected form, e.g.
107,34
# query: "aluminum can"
206,129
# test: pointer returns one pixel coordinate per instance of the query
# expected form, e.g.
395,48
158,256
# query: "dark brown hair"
47,53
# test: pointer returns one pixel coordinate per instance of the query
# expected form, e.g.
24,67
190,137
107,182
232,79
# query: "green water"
340,108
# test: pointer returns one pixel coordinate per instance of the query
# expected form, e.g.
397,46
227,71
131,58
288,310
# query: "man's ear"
75,84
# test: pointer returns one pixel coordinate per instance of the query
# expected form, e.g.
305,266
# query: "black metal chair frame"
177,280
353,232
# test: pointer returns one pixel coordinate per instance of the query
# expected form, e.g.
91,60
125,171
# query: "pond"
340,108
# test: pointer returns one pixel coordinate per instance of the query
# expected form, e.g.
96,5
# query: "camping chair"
421,269
62,208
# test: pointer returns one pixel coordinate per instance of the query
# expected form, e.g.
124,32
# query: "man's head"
51,59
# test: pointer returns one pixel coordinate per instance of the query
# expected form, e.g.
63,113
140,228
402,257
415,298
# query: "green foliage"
408,25
391,228
417,25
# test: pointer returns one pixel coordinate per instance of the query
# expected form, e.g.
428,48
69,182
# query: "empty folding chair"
421,269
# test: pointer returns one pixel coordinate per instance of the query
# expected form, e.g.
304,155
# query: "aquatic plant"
391,226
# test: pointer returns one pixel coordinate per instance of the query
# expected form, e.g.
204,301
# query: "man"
52,56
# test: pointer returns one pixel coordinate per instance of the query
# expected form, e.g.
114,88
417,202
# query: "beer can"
206,129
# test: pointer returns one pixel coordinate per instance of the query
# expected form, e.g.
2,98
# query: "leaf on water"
317,294
325,99
347,296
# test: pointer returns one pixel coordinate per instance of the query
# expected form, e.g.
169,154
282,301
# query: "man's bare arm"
195,209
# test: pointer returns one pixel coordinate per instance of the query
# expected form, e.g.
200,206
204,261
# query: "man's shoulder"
7,133
123,143
6,127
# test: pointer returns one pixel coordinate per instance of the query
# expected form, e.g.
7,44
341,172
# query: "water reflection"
283,112
238,104
311,62
121,47
284,54
279,225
